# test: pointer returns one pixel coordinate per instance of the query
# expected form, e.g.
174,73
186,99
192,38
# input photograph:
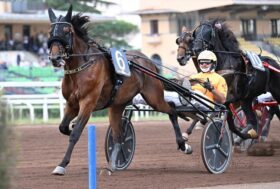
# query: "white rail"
20,102
33,101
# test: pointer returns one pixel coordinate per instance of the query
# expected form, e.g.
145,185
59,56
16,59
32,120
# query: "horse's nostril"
58,58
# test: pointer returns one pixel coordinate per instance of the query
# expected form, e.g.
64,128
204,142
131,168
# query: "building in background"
123,10
161,22
24,23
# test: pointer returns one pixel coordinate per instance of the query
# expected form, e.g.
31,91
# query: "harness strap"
80,68
225,72
117,78
116,87
182,47
266,65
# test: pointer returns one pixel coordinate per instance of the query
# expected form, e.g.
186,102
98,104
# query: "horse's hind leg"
82,119
154,97
115,118
252,122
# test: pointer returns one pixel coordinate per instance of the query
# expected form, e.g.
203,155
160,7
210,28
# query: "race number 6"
120,60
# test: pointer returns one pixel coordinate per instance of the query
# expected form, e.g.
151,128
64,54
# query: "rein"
229,52
229,72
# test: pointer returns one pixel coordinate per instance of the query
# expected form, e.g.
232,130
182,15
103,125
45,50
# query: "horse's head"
184,42
217,37
60,39
203,36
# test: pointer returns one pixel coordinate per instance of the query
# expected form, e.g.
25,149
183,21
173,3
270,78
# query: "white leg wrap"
185,136
59,171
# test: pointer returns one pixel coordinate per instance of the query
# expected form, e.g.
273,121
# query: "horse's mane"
226,36
78,21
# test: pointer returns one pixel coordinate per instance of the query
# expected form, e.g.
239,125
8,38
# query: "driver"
210,83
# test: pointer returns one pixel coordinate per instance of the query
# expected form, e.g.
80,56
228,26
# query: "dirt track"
156,163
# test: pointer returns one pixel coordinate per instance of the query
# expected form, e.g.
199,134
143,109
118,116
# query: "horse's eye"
66,29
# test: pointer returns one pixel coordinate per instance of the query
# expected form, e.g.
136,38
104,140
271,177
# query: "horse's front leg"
115,118
69,114
86,108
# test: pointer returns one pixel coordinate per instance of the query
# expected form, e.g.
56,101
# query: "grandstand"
273,41
250,46
29,70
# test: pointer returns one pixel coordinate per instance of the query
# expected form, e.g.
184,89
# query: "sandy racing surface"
157,163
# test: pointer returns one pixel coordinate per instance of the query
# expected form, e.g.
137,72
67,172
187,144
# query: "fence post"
91,157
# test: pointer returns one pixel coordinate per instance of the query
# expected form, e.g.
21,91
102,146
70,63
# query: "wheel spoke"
225,154
123,153
210,147
215,158
129,138
125,127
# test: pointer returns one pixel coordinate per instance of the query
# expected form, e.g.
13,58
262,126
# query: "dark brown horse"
90,83
245,83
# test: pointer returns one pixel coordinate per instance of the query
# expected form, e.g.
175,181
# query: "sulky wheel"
126,153
216,146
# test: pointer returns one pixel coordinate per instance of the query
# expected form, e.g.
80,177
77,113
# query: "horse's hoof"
188,149
253,134
106,171
59,171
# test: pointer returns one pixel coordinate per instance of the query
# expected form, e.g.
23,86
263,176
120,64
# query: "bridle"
64,43
200,38
182,39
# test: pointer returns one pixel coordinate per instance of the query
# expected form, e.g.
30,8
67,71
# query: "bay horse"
245,83
90,83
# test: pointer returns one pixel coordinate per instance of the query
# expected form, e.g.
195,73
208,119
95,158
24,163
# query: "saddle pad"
255,60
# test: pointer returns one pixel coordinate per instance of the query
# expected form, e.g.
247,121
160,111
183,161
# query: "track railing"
19,102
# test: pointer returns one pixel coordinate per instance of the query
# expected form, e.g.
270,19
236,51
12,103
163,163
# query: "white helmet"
207,56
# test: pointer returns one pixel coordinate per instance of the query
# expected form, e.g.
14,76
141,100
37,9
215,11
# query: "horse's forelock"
78,21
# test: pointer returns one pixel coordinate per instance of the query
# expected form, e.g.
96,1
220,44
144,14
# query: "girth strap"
116,87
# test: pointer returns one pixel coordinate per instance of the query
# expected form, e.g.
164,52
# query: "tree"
113,33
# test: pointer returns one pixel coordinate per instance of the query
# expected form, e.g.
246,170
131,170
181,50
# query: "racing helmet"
207,57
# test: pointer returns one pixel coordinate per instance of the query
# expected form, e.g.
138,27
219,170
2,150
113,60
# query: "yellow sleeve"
222,86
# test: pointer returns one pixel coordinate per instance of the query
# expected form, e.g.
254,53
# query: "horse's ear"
51,15
184,29
69,14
